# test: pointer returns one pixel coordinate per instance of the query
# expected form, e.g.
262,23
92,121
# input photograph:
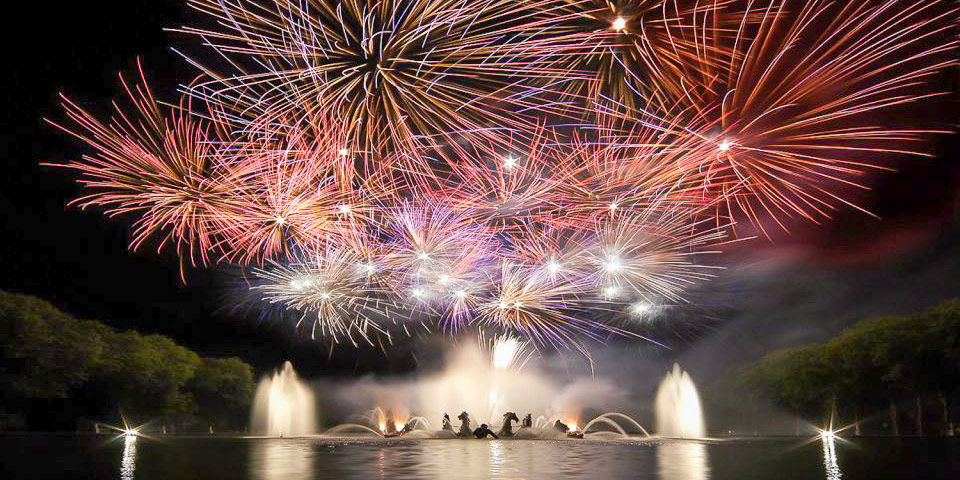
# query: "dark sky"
802,288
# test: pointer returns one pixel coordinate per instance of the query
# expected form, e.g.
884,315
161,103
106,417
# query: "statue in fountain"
507,429
465,430
483,431
446,423
561,427
528,421
391,426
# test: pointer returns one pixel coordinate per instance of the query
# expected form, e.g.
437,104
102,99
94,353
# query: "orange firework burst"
161,164
810,103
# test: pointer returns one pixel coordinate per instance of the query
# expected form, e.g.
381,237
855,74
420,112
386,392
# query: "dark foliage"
56,369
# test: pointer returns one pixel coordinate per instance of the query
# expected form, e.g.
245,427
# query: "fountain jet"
678,411
284,406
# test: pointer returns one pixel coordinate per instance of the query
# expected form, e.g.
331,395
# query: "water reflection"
128,464
281,459
510,459
830,458
682,461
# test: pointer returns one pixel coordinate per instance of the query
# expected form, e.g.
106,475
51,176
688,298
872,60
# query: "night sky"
802,287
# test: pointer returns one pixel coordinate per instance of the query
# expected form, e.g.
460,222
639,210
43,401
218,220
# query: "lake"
168,458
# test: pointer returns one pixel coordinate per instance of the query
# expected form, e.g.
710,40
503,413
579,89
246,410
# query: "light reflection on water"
128,463
682,461
308,458
441,459
281,459
830,458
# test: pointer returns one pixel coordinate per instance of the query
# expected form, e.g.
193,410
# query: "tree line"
57,370
895,375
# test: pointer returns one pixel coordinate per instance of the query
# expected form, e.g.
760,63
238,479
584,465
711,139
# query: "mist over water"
484,387
485,379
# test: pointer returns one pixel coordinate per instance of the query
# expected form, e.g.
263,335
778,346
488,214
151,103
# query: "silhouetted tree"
58,368
877,363
222,389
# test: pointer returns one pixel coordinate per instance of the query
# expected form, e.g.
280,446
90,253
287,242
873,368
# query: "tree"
60,368
799,379
876,363
144,374
222,389
860,384
43,351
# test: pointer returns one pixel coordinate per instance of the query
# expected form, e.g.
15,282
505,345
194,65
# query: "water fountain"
677,406
613,420
283,405
486,381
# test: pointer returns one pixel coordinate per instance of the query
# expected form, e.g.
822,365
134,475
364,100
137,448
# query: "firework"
159,163
293,195
809,104
542,167
437,258
653,257
637,52
333,291
507,189
524,301
396,74
622,167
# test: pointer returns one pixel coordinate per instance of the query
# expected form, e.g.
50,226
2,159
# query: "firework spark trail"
334,287
653,257
162,164
638,52
809,104
294,195
544,311
637,167
538,167
395,73
506,352
507,189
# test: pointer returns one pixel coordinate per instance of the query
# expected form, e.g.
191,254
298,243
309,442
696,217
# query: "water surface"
97,457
